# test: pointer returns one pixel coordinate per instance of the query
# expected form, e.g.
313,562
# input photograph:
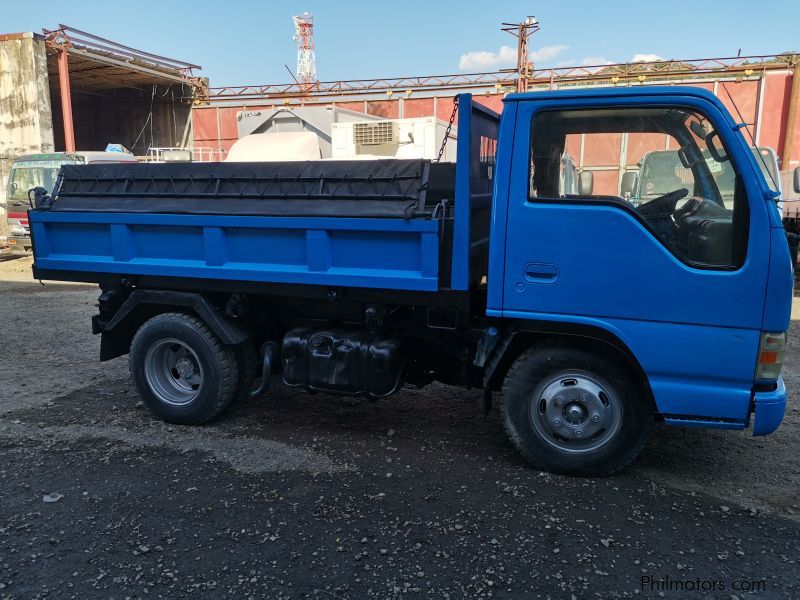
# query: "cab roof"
616,92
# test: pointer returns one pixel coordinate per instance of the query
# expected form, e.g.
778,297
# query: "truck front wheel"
182,371
574,412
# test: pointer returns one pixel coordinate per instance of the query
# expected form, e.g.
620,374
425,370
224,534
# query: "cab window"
26,175
667,166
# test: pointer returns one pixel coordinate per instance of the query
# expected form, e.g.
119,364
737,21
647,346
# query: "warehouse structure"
67,89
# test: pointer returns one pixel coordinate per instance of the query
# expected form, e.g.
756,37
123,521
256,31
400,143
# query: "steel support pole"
791,119
66,100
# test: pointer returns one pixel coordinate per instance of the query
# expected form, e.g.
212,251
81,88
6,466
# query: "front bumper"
769,408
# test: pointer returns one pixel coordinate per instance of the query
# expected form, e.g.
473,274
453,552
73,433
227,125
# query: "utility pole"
522,31
306,59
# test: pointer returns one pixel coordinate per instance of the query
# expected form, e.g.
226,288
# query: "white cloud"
546,53
506,56
641,58
483,60
593,61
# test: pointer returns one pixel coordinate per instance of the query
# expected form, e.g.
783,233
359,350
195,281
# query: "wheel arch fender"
522,335
142,305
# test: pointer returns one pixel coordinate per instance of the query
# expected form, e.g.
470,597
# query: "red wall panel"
572,146
493,101
606,183
204,121
640,144
227,122
444,107
600,149
742,96
777,90
417,107
389,109
357,106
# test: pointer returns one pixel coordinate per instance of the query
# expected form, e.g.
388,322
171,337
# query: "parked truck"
593,317
41,170
664,169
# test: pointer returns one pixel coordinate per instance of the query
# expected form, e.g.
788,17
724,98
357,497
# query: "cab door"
680,281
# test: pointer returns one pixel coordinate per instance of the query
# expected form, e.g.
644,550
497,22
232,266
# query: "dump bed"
394,224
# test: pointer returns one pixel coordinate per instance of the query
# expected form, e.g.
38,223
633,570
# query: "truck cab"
41,170
695,282
514,270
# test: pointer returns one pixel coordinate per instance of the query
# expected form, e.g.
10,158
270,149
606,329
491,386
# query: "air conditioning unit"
375,134
392,138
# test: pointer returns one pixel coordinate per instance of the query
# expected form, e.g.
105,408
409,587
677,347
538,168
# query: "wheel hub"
173,372
185,367
575,411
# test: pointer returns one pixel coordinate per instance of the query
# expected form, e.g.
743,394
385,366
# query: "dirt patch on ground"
48,348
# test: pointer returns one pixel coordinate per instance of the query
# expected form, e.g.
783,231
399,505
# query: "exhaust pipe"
269,352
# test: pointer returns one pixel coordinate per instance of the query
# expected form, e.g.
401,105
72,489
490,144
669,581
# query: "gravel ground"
314,496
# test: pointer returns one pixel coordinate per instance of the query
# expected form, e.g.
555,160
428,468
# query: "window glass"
666,165
26,175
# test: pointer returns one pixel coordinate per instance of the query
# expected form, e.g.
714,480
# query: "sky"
242,43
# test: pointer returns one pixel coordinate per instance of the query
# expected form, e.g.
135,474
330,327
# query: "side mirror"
38,197
797,180
629,183
585,183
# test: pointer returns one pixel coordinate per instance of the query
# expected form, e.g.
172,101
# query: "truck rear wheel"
574,412
183,373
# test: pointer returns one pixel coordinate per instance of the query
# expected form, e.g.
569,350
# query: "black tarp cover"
355,188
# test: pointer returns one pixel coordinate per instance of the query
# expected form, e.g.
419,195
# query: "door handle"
541,272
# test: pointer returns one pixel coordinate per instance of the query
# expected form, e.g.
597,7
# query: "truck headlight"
17,229
770,356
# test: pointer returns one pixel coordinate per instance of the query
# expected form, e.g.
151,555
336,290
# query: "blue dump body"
686,289
381,253
386,253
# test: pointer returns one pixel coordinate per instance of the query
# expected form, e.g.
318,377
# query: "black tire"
625,414
202,352
247,364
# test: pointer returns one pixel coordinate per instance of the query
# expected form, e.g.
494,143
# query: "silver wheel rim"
173,372
575,412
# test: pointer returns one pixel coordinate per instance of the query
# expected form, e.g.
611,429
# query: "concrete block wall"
26,121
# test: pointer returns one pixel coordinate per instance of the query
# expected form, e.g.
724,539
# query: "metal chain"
449,127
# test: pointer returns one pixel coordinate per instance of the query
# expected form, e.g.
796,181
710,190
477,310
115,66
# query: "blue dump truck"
595,318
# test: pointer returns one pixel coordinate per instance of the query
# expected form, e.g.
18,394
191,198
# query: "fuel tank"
339,361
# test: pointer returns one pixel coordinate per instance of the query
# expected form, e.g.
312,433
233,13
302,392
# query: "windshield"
26,175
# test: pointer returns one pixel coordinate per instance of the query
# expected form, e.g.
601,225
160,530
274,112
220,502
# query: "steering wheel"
663,205
693,205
